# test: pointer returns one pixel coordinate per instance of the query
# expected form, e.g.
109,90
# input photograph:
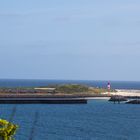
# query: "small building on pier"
46,90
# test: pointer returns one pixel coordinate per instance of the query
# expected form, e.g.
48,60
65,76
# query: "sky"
75,39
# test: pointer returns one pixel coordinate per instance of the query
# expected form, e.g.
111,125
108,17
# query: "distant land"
55,89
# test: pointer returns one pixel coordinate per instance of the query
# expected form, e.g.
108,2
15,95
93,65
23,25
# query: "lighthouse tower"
108,87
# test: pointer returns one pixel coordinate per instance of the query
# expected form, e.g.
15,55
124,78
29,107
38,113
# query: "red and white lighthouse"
108,87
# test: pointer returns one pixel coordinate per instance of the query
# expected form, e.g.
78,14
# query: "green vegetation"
71,88
76,88
60,88
7,130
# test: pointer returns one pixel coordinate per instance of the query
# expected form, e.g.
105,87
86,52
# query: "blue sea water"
34,83
97,120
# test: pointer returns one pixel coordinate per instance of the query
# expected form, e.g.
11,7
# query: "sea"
135,85
96,120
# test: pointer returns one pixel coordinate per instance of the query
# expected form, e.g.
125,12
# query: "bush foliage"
71,88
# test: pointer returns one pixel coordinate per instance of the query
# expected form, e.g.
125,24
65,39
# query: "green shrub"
71,88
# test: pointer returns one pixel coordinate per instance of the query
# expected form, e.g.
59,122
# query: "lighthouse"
108,87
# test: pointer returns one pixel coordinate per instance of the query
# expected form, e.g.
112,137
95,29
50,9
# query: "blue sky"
76,39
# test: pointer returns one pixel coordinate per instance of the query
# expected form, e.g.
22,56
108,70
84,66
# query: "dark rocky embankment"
117,98
135,101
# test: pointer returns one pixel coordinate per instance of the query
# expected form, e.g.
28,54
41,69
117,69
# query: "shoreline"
125,93
60,98
88,96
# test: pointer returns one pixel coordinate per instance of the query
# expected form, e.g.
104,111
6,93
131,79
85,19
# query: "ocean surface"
34,83
97,120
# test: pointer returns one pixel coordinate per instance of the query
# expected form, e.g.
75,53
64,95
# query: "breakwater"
126,99
39,100
46,98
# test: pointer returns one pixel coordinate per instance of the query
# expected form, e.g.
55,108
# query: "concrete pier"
15,100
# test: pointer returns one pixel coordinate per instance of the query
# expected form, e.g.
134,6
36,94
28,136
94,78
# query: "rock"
117,98
137,101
